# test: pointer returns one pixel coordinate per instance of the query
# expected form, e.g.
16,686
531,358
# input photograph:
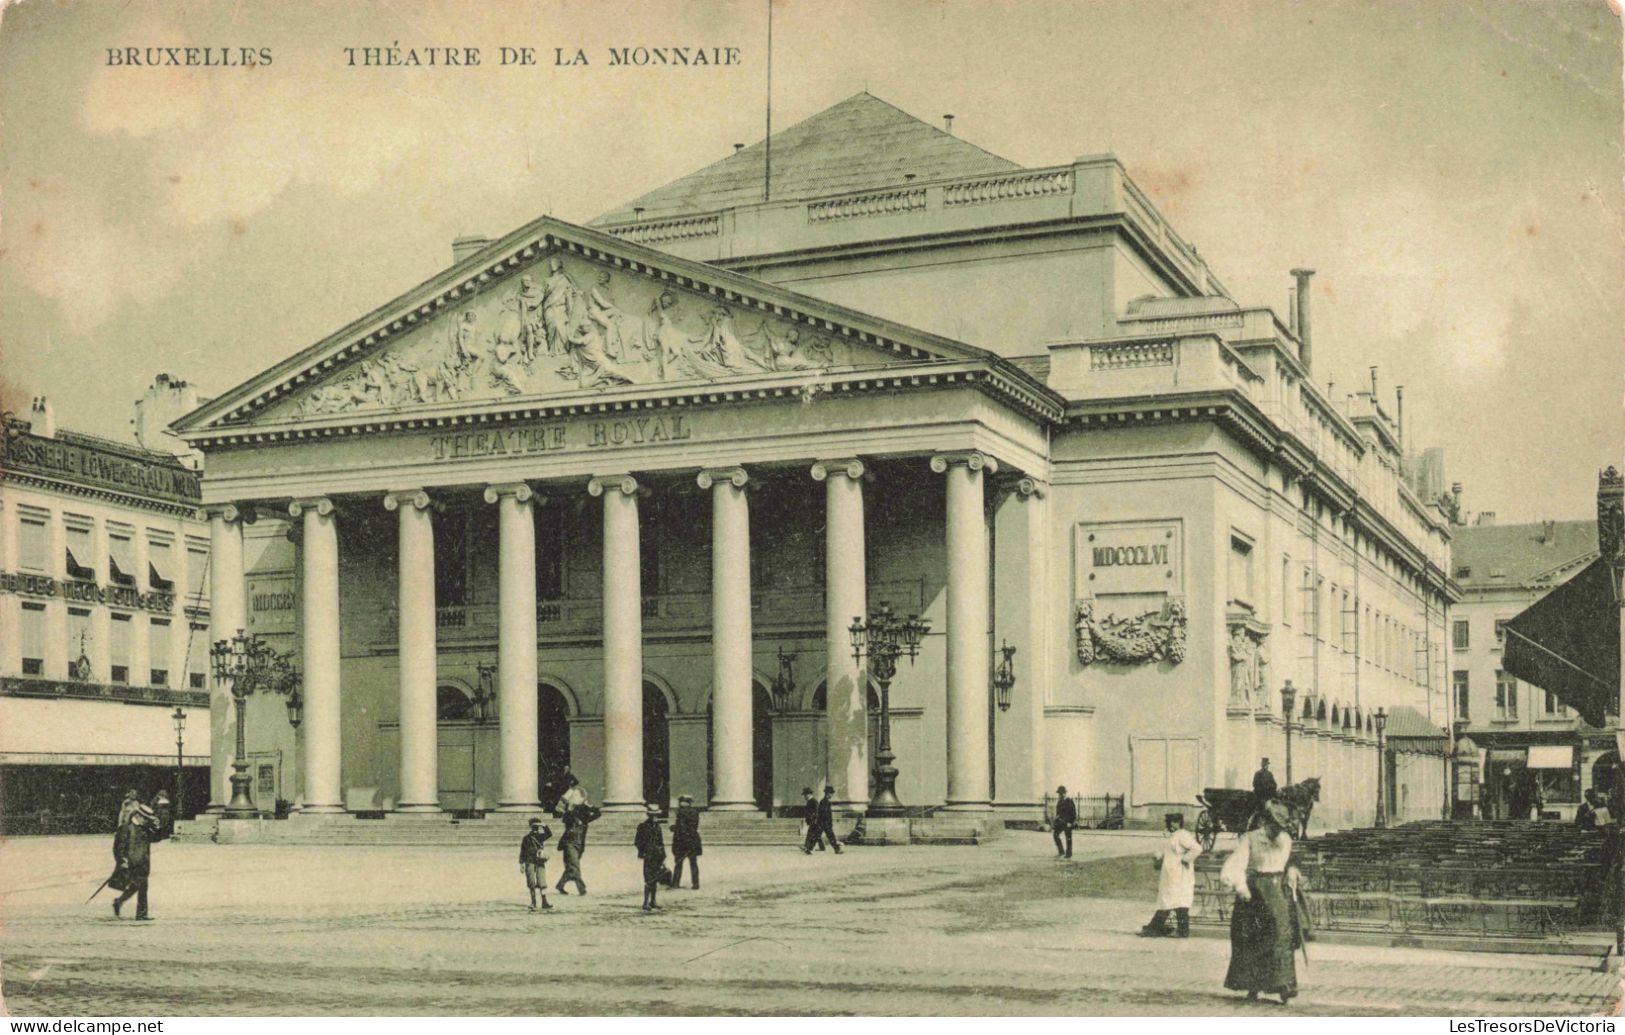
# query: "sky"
1452,169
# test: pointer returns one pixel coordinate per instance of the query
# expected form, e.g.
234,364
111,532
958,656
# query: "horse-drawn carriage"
1228,810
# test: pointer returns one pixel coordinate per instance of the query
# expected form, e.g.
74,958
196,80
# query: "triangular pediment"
555,311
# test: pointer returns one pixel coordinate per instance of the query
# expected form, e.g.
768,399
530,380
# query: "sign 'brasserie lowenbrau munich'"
84,465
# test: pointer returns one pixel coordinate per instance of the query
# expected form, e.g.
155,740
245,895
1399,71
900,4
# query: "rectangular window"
1506,697
32,548
120,652
120,559
1241,571
160,565
549,551
451,558
197,576
159,648
81,559
197,656
1500,632
1553,708
1459,637
1320,608
1286,591
1458,686
80,647
33,637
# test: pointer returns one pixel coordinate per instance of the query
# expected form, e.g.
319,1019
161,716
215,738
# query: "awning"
1568,643
1551,756
1516,756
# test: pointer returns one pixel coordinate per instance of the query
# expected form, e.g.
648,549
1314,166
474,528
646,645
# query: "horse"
1300,798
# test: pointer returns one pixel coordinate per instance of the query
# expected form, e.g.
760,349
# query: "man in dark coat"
651,848
826,818
572,844
132,850
533,863
1264,783
809,816
1066,820
685,841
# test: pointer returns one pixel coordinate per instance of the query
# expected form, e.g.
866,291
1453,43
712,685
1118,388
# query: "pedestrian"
132,850
573,842
809,823
685,841
1585,817
1176,887
132,798
1261,930
533,864
1264,783
651,848
826,817
1066,820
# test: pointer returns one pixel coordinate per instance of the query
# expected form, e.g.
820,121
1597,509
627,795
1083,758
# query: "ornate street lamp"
883,639
784,684
1381,720
1289,695
247,663
179,719
1004,677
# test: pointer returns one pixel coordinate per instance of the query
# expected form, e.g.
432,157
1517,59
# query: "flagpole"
767,143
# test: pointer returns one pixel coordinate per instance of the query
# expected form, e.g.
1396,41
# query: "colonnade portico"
968,599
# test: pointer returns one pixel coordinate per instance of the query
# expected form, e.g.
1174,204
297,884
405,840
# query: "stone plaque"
272,604
1129,557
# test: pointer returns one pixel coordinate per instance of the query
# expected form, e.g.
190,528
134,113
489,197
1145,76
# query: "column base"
518,806
323,810
214,808
623,806
858,808
422,807
733,806
968,806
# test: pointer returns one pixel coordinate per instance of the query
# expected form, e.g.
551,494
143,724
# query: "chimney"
947,123
1301,323
1399,415
1548,532
637,213
738,148
1373,388
1485,518
463,247
42,420
166,401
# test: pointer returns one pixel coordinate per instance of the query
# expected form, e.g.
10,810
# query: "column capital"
230,513
623,483
520,491
851,467
322,505
972,459
1031,488
717,475
413,497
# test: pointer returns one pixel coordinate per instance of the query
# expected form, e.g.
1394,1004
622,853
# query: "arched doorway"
1605,777
552,741
457,780
656,747
761,747
820,704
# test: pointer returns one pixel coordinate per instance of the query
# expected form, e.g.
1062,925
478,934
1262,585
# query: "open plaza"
1004,928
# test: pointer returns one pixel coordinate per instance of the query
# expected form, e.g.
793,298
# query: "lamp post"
179,719
883,639
784,683
1289,697
248,663
1004,677
1381,720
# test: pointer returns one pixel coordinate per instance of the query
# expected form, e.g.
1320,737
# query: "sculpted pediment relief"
565,324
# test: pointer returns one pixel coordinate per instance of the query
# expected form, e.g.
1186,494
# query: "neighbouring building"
104,623
1529,744
610,497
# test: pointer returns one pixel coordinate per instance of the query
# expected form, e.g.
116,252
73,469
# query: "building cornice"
120,499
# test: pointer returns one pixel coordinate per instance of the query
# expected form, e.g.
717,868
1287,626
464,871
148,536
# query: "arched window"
452,704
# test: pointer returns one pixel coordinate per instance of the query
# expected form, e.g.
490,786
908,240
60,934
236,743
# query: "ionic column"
319,640
968,661
416,653
516,646
846,690
731,743
228,615
1021,617
623,644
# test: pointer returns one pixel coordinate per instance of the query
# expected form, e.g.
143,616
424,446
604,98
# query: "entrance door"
455,733
552,742
761,748
656,748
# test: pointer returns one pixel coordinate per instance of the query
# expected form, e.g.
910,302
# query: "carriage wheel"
1207,831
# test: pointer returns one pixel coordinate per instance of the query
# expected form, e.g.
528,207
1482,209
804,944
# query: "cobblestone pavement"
1001,929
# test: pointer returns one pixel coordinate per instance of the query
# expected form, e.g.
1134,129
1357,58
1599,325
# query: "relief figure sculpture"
560,304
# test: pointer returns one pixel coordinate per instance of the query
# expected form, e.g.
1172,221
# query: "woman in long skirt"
1261,929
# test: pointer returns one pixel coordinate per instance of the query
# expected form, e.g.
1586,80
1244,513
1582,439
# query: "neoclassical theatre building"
635,480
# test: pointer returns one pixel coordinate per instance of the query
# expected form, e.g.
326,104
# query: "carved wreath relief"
1149,637
579,326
